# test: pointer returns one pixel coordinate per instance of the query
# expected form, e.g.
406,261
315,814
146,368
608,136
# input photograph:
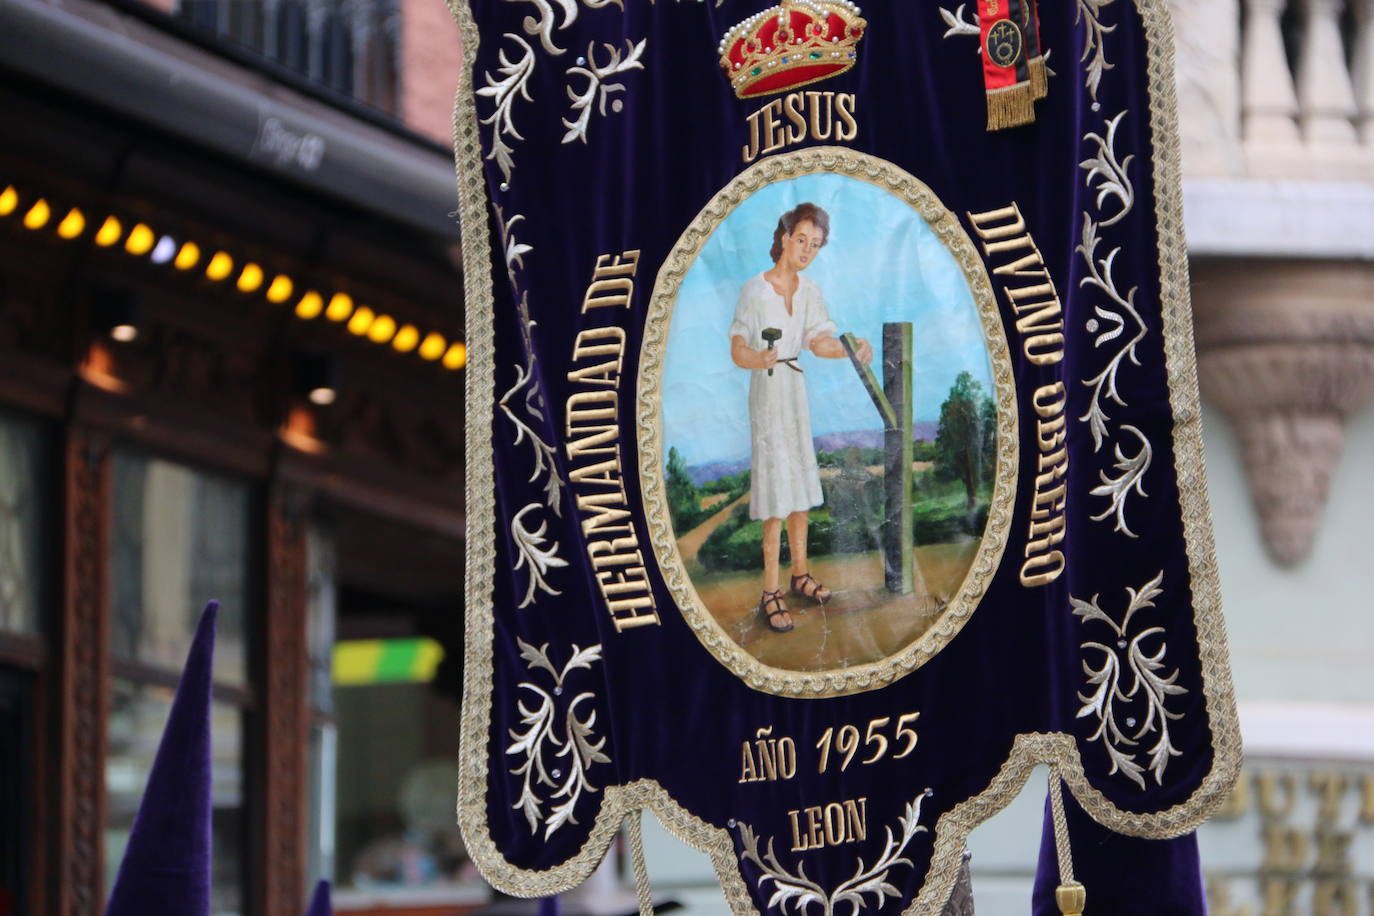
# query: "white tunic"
784,475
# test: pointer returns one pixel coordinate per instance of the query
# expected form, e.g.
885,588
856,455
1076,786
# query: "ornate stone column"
1362,74
1268,102
1286,349
1207,36
1326,101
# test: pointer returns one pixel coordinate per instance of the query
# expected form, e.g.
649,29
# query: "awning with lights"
398,177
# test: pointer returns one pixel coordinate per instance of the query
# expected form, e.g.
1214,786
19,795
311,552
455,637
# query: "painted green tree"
682,493
964,440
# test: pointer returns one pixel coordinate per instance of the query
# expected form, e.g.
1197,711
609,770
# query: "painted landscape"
953,461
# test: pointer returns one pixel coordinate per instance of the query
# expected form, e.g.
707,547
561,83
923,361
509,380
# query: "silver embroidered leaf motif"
534,555
1100,275
541,744
1094,47
512,248
1150,684
1110,172
582,750
1131,476
515,252
794,892
958,25
543,452
547,21
513,84
534,397
598,90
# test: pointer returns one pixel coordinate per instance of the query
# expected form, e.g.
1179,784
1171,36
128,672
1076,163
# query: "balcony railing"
1277,89
349,47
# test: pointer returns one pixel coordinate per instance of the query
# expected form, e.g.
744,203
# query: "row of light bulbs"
249,278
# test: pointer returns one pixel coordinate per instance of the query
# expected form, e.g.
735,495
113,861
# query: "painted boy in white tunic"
785,480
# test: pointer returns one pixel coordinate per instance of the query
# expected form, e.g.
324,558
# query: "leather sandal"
771,606
807,586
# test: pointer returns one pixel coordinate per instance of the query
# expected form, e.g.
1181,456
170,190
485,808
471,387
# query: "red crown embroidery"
793,44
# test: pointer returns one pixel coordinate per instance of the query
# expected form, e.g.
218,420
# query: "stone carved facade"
1285,314
1287,350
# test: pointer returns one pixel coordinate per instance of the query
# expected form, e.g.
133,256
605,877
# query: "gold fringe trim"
1039,77
1011,107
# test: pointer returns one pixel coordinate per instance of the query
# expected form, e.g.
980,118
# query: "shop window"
26,554
321,610
22,522
179,537
386,647
16,779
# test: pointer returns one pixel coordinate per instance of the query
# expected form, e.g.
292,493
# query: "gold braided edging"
1028,750
825,160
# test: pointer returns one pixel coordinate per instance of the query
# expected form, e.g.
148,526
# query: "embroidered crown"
793,44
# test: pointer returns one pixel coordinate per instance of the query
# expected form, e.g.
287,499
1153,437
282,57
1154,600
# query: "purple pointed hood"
319,901
166,867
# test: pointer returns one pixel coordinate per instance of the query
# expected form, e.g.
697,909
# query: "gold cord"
1070,894
643,890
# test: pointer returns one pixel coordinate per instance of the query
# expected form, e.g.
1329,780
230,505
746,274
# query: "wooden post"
282,858
82,670
897,543
894,403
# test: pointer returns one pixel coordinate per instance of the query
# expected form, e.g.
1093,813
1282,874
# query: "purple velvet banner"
832,459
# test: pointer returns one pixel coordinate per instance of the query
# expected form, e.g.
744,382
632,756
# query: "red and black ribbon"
1013,65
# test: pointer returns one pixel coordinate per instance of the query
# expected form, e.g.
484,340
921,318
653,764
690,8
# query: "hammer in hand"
772,336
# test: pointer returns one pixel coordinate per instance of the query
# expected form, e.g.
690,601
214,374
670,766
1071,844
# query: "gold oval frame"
916,194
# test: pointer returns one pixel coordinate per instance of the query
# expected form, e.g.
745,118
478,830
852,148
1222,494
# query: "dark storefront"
230,367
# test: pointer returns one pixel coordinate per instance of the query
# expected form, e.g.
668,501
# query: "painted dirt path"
689,545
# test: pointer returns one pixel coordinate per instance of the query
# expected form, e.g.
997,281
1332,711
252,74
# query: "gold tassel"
1071,899
1011,107
1039,77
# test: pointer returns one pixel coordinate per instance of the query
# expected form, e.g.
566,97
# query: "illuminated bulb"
220,266
280,289
457,356
163,251
124,333
109,232
406,339
432,347
9,200
38,215
340,307
140,240
382,329
322,396
250,278
188,256
72,225
361,321
310,306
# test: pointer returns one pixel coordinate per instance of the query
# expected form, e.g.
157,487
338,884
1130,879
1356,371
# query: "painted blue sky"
882,263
